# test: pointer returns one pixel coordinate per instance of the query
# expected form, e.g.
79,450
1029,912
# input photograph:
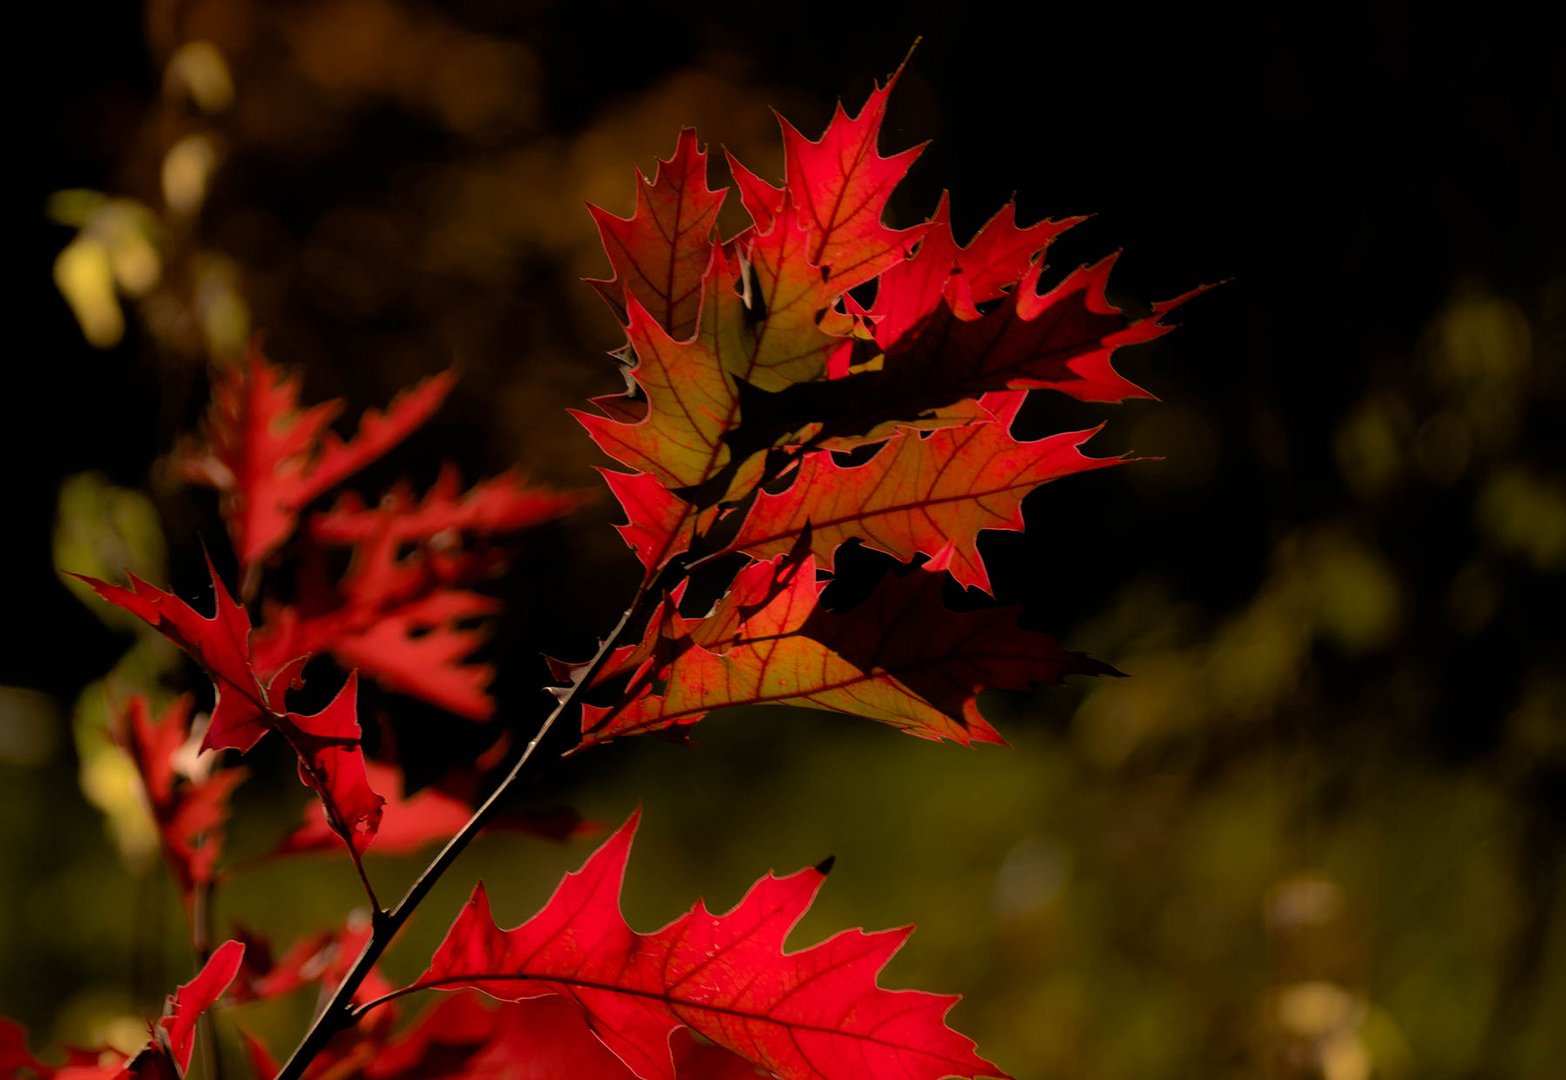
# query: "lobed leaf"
661,252
919,495
269,459
498,504
331,761
901,658
219,643
814,1013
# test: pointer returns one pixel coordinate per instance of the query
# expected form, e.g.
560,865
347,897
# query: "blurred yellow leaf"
198,69
85,277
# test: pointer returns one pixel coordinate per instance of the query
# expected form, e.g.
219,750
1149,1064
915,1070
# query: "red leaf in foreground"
467,1037
814,1013
269,459
541,1038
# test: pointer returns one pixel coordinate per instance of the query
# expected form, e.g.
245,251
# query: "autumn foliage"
816,380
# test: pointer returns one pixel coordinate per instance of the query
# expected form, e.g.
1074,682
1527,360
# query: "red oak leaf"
397,614
269,459
660,253
541,1038
189,813
659,524
991,264
467,1037
840,183
499,504
901,658
690,399
220,644
1062,339
186,1005
420,646
929,495
813,1013
331,763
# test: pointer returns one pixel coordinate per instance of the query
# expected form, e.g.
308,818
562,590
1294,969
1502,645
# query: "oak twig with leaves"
818,378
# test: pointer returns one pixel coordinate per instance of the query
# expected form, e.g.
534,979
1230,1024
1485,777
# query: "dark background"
1337,596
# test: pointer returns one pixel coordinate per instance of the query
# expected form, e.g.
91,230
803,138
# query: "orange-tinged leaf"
691,400
919,495
660,253
787,345
813,1013
901,658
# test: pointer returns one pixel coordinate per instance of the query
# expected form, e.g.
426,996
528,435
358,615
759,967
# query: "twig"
338,1013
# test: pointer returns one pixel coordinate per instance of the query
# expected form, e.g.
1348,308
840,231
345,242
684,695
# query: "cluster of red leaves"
401,612
816,380
752,367
757,365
